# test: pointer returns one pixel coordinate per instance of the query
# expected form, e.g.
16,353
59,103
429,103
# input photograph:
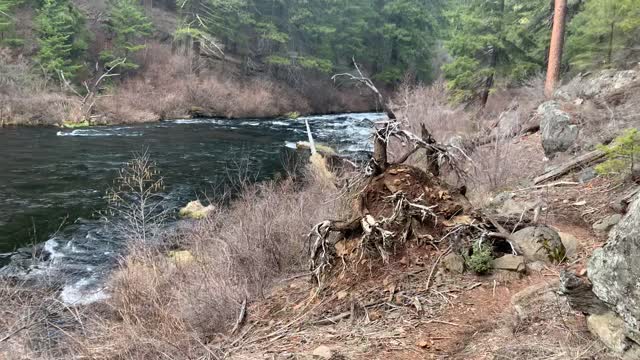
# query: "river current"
53,182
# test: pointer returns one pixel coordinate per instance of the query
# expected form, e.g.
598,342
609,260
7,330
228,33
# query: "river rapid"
53,182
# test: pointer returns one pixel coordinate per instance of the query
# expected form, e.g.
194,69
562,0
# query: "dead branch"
88,100
576,163
241,317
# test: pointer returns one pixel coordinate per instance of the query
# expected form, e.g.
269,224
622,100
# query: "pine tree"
601,30
128,25
7,22
491,40
61,41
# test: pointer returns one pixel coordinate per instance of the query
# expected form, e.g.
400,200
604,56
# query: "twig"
433,268
241,316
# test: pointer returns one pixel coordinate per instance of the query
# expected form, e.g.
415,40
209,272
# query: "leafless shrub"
136,206
170,306
34,324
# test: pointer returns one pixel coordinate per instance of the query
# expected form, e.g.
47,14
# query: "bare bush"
34,324
164,305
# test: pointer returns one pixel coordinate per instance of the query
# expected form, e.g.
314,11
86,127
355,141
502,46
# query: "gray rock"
536,299
614,270
610,329
508,124
536,266
454,263
501,198
607,81
587,175
607,223
510,262
571,245
558,134
539,243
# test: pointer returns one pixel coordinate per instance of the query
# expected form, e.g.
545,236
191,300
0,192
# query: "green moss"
292,115
75,125
621,154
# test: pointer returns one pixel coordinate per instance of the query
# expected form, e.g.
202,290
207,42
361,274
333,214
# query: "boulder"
607,81
195,210
510,262
610,329
607,223
558,134
454,263
539,243
571,245
614,270
508,124
587,175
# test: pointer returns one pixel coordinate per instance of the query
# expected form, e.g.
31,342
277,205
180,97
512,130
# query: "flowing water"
52,182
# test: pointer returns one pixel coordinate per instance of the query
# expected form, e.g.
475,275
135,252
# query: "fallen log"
577,162
621,203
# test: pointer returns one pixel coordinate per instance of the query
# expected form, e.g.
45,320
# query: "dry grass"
506,161
33,323
166,88
25,98
164,307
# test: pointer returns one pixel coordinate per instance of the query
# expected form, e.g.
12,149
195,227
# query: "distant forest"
462,41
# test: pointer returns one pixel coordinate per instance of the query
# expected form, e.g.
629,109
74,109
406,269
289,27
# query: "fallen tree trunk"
578,162
621,203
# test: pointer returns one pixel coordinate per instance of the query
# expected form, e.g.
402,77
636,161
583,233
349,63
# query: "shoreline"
69,126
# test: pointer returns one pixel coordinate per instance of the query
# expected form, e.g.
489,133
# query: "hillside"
126,61
408,277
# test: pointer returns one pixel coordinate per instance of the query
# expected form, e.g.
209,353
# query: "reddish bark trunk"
557,44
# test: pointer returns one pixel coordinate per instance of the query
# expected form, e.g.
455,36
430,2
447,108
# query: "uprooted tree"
394,202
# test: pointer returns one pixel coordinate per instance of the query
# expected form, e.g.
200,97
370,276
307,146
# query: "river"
52,181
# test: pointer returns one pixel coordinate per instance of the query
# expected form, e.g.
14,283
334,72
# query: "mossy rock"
195,210
181,257
75,125
321,148
292,115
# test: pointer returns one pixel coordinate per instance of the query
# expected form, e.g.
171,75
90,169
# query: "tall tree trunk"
493,62
488,82
610,52
557,44
195,64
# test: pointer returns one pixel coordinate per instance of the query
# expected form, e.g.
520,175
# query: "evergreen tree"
7,22
409,34
491,40
128,25
61,38
602,29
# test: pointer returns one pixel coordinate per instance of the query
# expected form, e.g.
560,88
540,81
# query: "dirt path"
388,314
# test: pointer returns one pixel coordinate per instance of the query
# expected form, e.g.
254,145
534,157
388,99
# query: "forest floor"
390,314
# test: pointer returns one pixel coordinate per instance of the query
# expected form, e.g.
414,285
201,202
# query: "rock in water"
195,210
558,134
614,270
539,243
